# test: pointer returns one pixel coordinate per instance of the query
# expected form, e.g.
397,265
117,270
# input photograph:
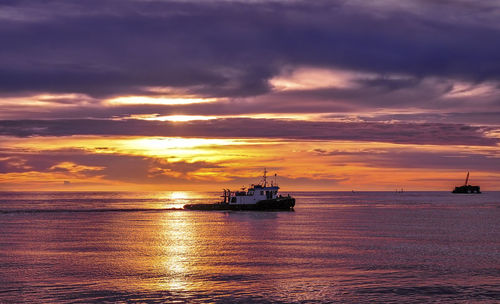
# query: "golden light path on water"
178,244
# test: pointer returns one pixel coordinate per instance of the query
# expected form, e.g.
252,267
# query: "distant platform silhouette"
467,188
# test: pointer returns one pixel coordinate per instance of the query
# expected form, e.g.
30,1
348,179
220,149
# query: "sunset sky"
201,95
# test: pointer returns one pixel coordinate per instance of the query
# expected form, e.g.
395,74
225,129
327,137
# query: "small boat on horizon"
467,188
258,197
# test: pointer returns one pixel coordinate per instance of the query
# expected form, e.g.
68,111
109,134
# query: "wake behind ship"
257,197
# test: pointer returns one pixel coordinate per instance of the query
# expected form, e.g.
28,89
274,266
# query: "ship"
257,197
467,188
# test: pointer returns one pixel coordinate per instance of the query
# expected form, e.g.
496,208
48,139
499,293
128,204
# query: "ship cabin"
254,194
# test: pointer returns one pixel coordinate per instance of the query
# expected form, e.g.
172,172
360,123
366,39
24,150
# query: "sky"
157,95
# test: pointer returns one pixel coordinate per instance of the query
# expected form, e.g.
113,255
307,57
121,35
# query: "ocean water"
335,247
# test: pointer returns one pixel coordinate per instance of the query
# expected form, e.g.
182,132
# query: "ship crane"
466,188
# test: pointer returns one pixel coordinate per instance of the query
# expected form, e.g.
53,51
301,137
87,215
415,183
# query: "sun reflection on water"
177,250
176,199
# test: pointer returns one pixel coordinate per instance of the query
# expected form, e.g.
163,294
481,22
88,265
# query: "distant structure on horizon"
467,188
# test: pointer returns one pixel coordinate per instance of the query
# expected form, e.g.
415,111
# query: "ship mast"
265,177
467,178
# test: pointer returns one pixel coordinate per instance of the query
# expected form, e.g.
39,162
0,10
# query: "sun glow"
168,143
179,195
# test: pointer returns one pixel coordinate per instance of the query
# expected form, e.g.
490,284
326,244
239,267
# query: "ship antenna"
265,177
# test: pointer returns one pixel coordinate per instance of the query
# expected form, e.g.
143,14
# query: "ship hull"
286,203
467,189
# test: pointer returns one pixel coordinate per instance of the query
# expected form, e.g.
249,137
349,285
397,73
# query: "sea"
334,247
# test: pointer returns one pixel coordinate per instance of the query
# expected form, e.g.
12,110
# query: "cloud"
366,95
479,118
233,48
412,133
397,71
415,159
63,59
78,163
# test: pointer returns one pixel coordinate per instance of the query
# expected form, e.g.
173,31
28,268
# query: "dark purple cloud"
480,118
232,48
425,101
417,53
415,159
411,133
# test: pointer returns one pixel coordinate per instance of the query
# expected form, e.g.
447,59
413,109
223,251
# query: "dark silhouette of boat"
257,197
467,188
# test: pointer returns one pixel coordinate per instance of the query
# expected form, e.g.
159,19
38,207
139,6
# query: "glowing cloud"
466,89
309,78
178,118
131,100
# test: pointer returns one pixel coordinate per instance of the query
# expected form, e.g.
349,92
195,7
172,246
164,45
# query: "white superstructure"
254,194
258,197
